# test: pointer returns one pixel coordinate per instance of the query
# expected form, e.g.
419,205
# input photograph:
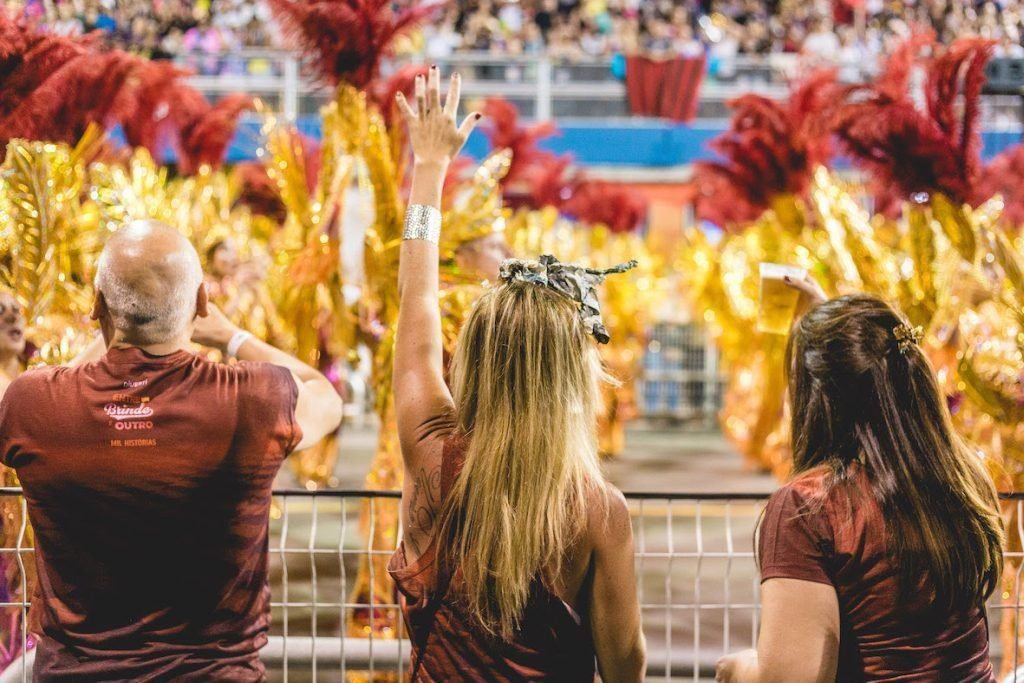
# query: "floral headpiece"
574,281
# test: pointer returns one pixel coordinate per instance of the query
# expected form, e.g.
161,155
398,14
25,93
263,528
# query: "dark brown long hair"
858,398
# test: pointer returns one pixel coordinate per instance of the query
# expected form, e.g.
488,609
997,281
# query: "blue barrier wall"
646,142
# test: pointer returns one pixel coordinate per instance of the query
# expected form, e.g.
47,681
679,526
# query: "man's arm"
318,410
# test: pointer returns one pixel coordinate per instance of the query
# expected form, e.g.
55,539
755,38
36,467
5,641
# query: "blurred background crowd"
842,32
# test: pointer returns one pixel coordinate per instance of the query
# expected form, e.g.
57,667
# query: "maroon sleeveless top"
553,643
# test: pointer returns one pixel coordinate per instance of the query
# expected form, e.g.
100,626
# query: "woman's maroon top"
840,539
553,643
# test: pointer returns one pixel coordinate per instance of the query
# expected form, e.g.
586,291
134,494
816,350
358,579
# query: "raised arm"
318,409
421,395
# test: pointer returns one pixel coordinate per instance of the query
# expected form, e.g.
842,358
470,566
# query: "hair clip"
907,335
576,282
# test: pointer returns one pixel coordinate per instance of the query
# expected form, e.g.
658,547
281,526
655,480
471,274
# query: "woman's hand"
808,288
811,293
433,133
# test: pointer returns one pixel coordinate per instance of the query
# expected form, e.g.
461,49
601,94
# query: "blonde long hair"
525,379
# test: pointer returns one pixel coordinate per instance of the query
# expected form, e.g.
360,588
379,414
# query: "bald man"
148,472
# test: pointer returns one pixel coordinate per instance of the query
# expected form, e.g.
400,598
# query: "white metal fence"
542,88
697,582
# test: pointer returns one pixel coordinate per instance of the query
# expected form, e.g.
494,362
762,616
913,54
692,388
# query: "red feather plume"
548,182
598,202
86,89
148,123
347,39
770,148
258,192
894,81
505,132
1004,175
908,149
382,92
203,131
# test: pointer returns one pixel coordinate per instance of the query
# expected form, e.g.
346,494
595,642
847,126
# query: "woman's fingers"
421,97
807,286
403,106
451,103
468,124
433,89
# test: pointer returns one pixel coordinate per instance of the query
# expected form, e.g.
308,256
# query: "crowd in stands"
829,29
849,33
197,32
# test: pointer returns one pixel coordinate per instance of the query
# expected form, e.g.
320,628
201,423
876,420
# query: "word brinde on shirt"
119,411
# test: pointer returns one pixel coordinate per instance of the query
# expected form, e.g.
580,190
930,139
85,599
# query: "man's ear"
99,306
202,302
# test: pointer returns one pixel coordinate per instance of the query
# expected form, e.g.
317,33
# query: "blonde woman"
517,558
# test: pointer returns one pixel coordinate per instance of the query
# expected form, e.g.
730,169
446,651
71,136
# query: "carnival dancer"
13,581
877,559
516,562
148,473
12,339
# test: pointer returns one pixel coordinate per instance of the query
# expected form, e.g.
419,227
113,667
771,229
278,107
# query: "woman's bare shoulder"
609,520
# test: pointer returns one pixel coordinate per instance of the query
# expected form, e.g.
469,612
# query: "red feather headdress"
771,148
53,87
909,147
1005,175
597,202
347,39
258,191
148,123
91,88
381,92
202,131
505,132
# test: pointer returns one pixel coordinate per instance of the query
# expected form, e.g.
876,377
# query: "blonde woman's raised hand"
434,134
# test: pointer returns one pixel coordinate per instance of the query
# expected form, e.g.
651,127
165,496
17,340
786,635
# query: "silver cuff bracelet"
422,222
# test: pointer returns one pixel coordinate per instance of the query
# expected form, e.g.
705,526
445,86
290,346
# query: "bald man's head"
149,279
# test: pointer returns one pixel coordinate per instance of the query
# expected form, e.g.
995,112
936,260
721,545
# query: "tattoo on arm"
424,507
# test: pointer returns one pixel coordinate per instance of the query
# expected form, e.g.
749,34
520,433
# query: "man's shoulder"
258,370
30,390
38,378
261,382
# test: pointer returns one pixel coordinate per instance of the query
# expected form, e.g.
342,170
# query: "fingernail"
434,67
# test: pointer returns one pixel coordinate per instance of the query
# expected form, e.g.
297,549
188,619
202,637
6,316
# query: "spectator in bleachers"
516,561
821,45
877,558
66,23
572,30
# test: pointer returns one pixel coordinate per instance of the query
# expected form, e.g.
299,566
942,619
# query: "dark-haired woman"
877,558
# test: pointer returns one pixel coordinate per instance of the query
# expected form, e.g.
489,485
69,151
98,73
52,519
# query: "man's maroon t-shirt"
148,481
839,538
